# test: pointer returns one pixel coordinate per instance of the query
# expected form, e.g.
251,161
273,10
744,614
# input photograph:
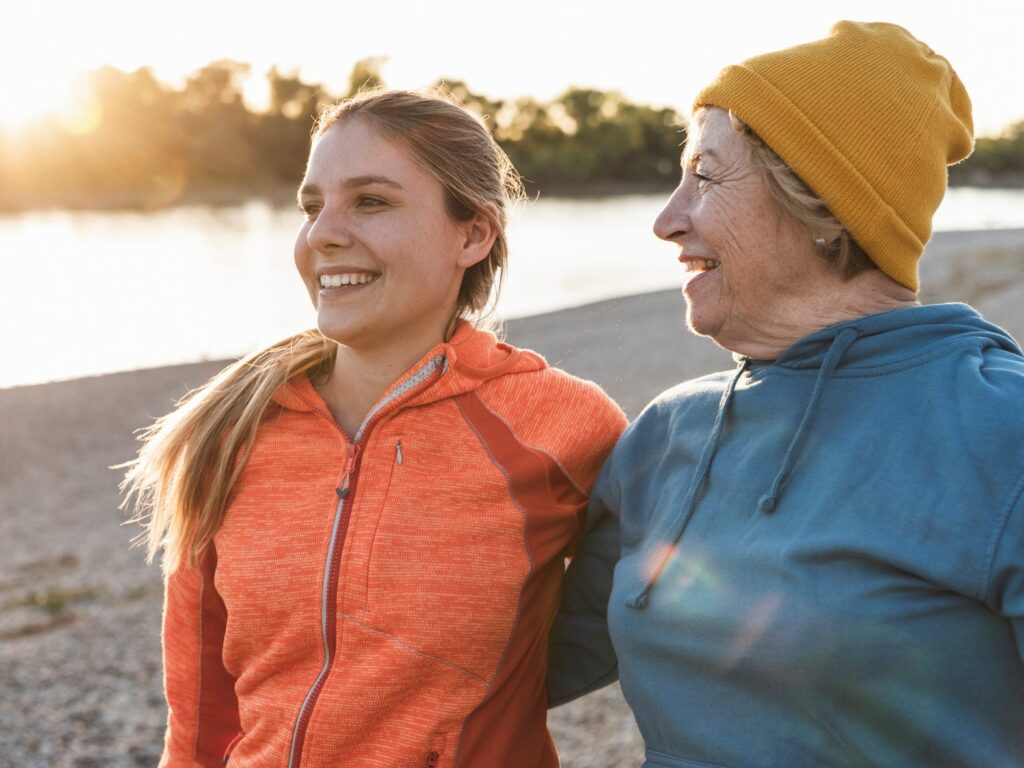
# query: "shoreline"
285,194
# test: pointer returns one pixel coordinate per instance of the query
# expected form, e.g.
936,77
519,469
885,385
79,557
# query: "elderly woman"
822,551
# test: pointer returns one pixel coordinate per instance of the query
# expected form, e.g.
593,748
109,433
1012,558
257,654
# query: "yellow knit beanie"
868,117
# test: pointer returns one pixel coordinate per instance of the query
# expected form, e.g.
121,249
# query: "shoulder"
1002,370
686,398
986,392
555,394
570,419
687,392
985,383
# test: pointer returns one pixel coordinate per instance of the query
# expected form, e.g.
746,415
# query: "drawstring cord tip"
639,602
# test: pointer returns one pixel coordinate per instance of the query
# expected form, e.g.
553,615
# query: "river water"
84,293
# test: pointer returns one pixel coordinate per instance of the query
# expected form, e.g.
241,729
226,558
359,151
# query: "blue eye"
369,201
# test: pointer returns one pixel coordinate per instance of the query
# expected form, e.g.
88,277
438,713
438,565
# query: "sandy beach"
80,671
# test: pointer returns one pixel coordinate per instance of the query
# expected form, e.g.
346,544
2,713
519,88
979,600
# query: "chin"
339,332
698,322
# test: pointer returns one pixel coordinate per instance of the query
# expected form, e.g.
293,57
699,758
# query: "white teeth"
700,265
347,278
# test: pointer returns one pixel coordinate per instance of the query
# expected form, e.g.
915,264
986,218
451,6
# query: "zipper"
398,452
328,600
329,591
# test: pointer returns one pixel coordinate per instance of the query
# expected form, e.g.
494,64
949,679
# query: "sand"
80,680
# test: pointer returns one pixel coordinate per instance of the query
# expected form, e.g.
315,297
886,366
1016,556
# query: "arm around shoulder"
581,656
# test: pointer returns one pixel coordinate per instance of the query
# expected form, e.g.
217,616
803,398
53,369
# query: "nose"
329,230
674,221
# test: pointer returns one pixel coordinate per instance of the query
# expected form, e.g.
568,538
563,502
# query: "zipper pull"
231,746
398,452
350,463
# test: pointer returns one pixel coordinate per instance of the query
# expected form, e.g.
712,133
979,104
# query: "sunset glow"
30,100
662,51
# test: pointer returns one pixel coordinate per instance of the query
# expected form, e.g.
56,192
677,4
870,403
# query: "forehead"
354,148
712,134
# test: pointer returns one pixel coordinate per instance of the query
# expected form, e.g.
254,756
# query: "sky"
657,53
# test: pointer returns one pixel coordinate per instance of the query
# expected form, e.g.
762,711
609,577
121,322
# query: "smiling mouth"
699,265
347,278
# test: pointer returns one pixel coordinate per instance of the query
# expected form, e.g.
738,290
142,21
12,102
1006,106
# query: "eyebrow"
696,157
354,183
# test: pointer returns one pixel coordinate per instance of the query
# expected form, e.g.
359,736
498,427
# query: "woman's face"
379,254
750,263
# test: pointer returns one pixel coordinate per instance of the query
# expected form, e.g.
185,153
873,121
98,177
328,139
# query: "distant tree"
366,74
483,107
140,142
994,158
587,135
220,129
290,97
283,139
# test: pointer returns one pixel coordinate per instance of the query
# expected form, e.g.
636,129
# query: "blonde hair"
833,241
180,483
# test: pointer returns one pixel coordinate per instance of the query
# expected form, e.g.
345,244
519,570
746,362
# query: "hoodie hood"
893,338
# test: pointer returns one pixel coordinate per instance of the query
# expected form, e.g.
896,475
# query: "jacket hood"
894,337
463,363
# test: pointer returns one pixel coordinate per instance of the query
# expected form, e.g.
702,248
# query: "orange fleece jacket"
385,600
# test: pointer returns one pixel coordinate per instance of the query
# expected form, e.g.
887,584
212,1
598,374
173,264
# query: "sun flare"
56,94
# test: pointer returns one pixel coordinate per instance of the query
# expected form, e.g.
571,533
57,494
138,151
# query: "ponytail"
181,481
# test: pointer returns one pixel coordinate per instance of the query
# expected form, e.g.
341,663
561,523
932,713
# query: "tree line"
138,142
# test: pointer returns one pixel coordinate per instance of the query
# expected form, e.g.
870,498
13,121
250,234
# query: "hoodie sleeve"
581,657
1004,592
202,718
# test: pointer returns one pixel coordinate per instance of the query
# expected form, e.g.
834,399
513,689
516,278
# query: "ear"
479,234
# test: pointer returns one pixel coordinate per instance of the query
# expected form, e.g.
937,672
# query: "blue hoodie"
822,556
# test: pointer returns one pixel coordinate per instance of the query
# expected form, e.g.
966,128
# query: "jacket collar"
461,364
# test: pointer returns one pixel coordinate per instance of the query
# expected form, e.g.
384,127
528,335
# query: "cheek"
747,239
302,255
301,250
728,231
433,250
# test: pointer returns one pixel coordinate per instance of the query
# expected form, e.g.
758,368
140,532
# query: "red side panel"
218,724
509,727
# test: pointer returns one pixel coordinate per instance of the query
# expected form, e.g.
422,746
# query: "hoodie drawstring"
689,502
666,543
839,345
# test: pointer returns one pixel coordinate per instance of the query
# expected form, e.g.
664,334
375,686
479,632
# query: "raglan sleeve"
202,718
581,657
1004,590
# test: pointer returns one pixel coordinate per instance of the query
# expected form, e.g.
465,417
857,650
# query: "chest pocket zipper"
231,748
379,514
436,747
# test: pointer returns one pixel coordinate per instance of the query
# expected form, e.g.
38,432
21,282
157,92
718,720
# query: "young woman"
364,527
